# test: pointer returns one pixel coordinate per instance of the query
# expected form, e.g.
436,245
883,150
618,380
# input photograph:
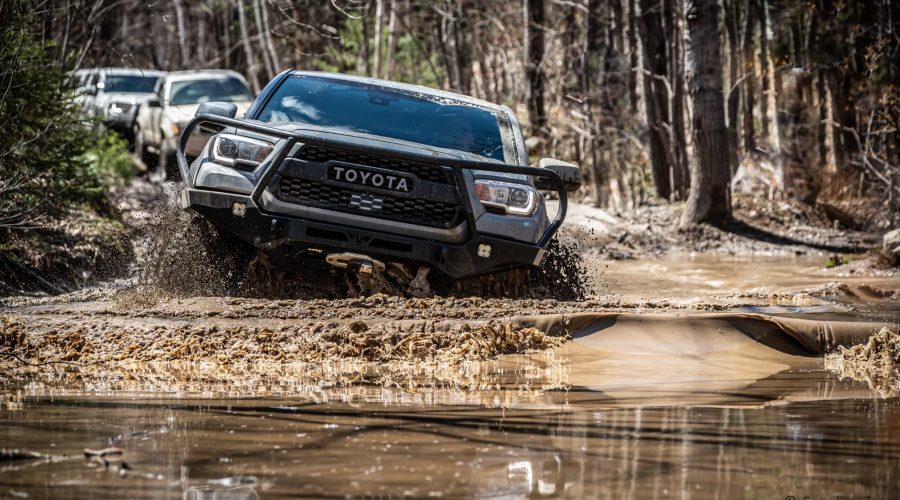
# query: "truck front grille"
321,154
398,208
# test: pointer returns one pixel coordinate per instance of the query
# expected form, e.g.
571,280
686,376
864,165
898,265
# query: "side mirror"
153,102
569,173
223,109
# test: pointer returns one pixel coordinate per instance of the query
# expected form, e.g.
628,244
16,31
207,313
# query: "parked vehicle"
113,94
177,96
370,175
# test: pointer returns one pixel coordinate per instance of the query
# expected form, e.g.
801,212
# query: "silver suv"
114,94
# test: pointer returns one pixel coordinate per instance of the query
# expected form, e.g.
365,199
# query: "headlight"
118,108
516,199
237,151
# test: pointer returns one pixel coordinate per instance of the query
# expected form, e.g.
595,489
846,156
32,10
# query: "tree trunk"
270,45
379,22
709,200
261,38
681,180
764,64
656,95
364,46
462,63
592,62
732,21
533,42
63,52
769,102
633,60
392,40
749,87
182,34
252,65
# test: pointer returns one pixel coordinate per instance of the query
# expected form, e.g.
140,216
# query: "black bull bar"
287,141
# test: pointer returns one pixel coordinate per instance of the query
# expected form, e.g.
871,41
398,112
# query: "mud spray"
876,362
180,254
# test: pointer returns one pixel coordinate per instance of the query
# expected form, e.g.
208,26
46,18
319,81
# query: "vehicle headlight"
233,150
512,198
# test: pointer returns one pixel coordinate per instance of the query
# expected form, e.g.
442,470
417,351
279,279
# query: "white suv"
161,118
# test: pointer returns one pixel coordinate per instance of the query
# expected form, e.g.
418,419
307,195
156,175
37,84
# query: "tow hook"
362,264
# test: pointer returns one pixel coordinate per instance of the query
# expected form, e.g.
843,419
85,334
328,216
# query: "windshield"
387,112
129,83
213,89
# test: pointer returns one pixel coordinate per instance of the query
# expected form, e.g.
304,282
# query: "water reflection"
229,488
816,435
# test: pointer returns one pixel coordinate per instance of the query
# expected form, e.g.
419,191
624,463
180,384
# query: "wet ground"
685,377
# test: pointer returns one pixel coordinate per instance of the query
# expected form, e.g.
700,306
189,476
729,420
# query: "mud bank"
759,228
400,331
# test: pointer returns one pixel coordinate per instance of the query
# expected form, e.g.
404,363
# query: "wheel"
141,156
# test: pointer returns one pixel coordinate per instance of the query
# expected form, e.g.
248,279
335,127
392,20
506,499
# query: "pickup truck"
375,177
175,99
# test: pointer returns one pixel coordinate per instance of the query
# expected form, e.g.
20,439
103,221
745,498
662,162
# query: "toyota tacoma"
376,177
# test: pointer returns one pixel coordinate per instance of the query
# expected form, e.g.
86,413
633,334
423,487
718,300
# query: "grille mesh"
410,210
426,171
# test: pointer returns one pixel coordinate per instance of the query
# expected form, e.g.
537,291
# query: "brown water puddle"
793,432
652,396
801,281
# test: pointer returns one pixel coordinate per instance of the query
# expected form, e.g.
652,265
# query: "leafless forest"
782,99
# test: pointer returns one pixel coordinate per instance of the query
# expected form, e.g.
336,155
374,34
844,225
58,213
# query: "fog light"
484,250
238,209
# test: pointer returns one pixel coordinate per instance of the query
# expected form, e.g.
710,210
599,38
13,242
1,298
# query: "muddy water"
672,383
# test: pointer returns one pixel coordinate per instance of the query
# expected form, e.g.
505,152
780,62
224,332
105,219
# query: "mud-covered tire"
562,276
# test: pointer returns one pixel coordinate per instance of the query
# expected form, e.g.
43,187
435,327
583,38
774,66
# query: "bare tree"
533,42
710,199
392,40
182,33
749,87
252,65
657,95
379,22
681,178
261,38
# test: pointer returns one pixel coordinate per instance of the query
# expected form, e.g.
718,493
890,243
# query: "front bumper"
291,242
